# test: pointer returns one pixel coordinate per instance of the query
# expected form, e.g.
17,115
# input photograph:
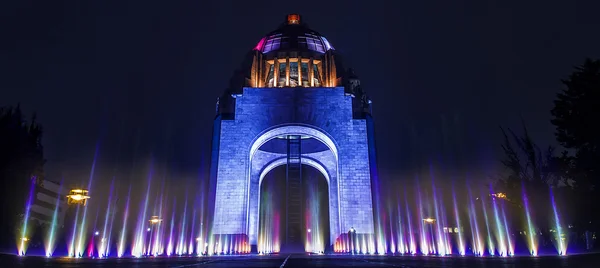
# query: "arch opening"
319,152
315,210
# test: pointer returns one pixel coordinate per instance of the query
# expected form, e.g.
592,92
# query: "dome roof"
293,36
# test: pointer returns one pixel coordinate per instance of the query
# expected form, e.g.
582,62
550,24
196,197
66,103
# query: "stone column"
311,73
300,70
333,72
275,72
325,71
287,71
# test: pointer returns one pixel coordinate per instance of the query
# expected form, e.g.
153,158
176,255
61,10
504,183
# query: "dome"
293,36
292,56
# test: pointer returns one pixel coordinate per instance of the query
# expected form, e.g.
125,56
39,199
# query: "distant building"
46,197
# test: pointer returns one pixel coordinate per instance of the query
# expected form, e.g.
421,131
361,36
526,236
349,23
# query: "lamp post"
155,220
154,223
429,220
78,196
352,240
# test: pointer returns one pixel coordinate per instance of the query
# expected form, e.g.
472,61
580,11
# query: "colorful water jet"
530,233
461,243
51,240
121,245
428,220
315,237
22,248
104,248
561,246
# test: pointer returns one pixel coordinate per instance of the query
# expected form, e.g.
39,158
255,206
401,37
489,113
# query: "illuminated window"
270,76
294,74
273,43
327,44
302,42
304,79
281,79
276,73
316,76
314,43
456,230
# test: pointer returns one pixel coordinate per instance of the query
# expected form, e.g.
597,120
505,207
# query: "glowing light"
104,247
71,247
78,196
50,245
508,240
23,245
429,220
155,220
260,44
530,229
171,231
499,230
293,19
140,237
499,195
82,226
477,244
121,248
560,239
424,226
461,245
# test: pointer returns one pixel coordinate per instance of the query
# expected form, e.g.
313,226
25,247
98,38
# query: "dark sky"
141,78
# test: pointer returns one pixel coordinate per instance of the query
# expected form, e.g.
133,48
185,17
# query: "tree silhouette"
21,160
531,169
527,163
576,115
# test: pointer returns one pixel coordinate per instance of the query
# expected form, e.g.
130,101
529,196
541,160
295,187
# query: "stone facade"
261,114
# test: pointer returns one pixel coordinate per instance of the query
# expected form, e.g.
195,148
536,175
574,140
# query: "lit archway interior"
272,211
318,156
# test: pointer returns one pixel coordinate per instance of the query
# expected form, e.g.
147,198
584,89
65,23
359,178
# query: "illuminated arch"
255,176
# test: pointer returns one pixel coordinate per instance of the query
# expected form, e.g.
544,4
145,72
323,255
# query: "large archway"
266,154
272,210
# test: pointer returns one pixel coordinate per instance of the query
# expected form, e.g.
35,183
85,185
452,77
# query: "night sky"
140,79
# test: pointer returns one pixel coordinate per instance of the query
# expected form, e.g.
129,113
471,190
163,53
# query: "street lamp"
78,196
429,220
500,195
155,220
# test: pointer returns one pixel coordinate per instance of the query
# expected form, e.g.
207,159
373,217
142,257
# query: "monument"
292,104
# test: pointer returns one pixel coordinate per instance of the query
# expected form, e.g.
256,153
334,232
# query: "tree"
576,116
528,164
21,160
531,169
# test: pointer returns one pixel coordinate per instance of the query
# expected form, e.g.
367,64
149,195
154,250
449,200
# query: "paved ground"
298,260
